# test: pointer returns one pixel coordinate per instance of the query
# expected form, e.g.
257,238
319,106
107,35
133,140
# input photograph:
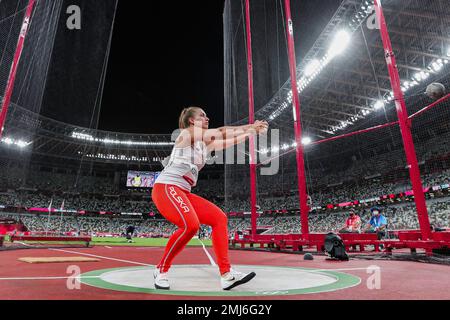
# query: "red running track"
400,280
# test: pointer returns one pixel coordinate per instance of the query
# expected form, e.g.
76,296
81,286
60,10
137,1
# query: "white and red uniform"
174,200
183,166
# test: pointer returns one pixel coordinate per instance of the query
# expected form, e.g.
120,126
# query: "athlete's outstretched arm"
225,133
219,145
195,134
232,132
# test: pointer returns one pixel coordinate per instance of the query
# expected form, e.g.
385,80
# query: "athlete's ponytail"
186,115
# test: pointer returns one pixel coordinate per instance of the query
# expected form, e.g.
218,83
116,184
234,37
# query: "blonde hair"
187,114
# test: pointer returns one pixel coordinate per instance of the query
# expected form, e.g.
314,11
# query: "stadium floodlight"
82,136
437,66
107,141
312,67
115,157
425,75
306,141
339,44
21,144
418,76
379,105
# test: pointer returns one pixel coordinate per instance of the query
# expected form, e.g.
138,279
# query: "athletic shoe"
234,278
161,280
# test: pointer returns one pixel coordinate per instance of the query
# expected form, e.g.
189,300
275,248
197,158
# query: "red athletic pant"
188,211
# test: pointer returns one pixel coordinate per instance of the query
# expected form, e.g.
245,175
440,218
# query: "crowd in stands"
360,179
122,203
399,217
99,226
364,190
79,202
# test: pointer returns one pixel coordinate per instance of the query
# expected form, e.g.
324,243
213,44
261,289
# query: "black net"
54,164
354,150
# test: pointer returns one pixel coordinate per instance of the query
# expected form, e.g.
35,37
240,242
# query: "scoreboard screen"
141,179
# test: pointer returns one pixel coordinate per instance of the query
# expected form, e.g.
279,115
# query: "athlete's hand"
261,127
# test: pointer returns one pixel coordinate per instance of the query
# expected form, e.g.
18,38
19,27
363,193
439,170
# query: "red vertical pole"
251,104
300,151
14,66
405,126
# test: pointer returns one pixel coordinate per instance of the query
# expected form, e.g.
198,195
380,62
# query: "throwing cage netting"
367,132
53,62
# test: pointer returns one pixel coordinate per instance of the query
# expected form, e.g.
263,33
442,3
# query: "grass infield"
123,242
138,242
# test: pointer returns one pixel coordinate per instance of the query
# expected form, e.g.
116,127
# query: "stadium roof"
47,137
340,91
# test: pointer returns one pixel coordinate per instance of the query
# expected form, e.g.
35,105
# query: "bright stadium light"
312,67
379,105
339,44
418,76
20,143
306,141
115,157
90,138
437,66
82,136
425,75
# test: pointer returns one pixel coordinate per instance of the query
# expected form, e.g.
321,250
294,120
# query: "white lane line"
47,278
108,247
211,260
102,257
337,270
26,245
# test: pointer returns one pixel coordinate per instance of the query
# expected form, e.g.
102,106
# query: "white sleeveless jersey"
183,166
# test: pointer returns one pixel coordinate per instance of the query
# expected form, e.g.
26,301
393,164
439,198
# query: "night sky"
166,56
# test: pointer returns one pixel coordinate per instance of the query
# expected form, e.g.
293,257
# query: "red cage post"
12,74
405,126
251,106
303,196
